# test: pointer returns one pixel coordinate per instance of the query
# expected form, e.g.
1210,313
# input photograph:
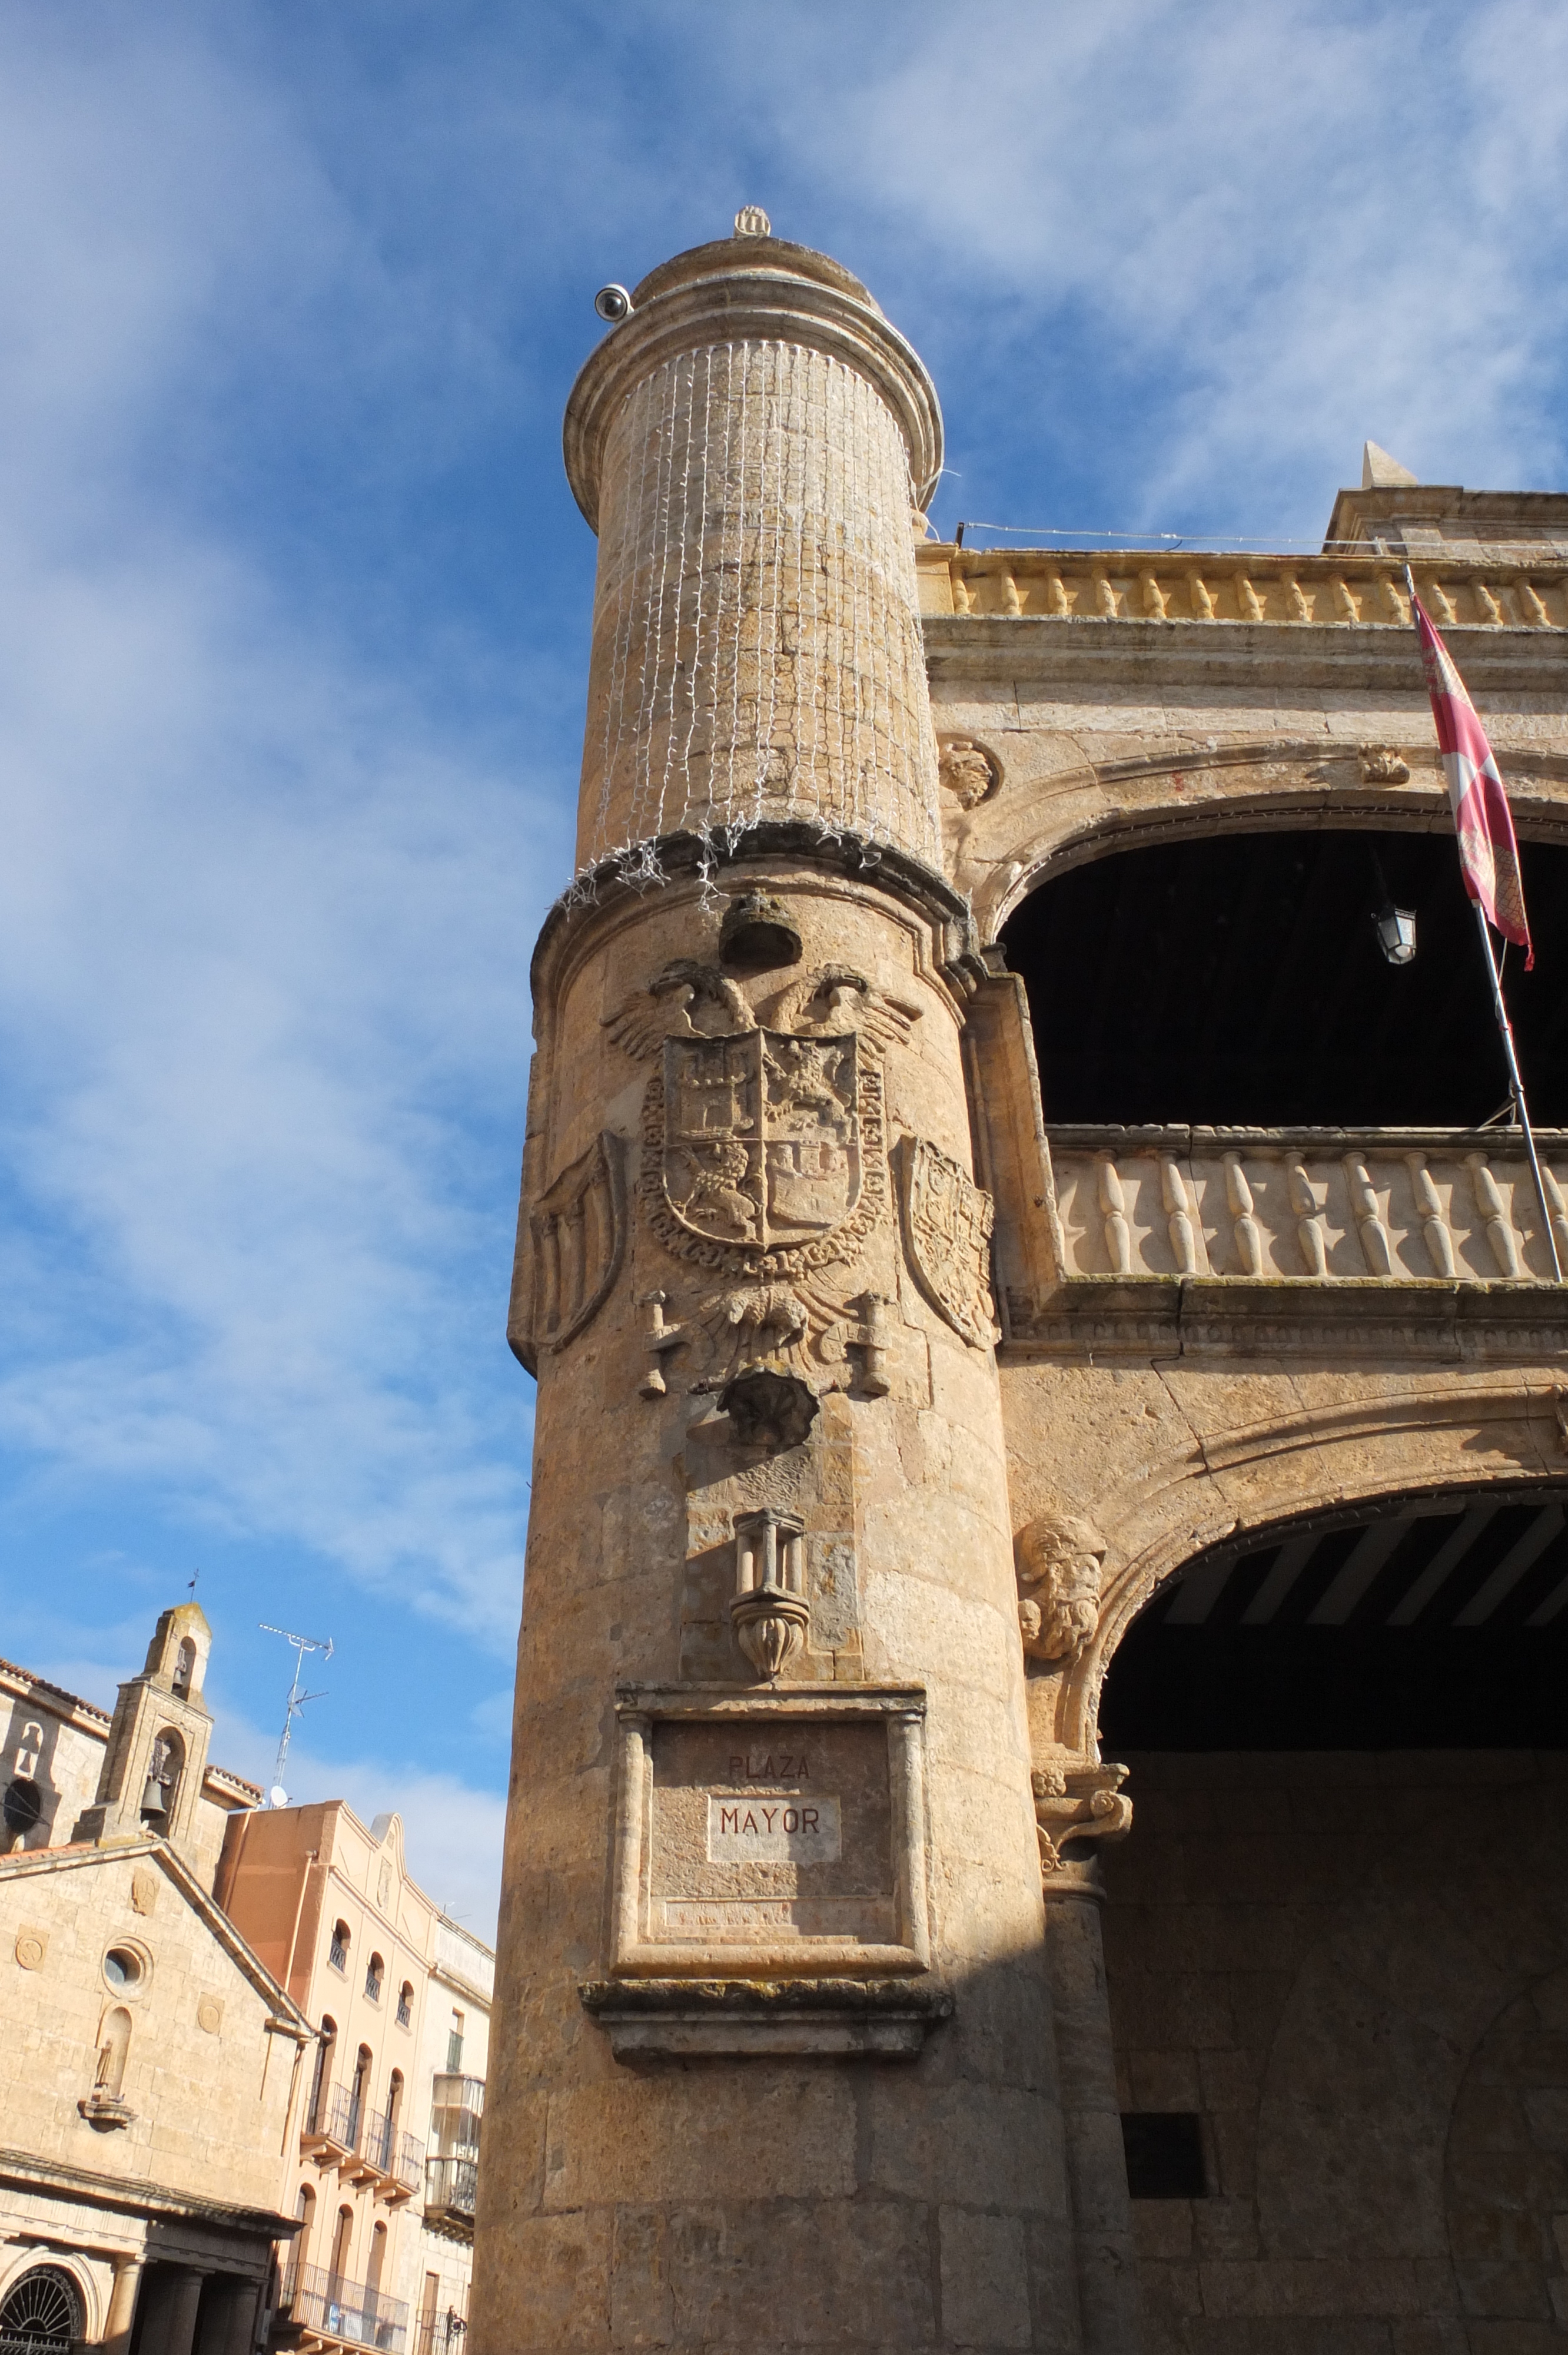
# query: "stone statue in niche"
967,771
1061,1561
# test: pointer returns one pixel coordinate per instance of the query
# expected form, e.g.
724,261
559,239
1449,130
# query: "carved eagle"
834,998
664,1009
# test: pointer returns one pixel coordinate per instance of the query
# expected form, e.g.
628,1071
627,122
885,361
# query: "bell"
155,1798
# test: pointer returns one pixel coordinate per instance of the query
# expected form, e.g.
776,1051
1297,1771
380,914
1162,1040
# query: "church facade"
1037,1769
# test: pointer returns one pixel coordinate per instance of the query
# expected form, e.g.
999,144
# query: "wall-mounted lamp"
1395,932
1395,926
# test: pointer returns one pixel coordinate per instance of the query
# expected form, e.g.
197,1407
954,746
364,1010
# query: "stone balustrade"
1343,590
1394,1205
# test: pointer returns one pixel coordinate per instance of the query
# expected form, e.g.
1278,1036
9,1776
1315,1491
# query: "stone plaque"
782,1831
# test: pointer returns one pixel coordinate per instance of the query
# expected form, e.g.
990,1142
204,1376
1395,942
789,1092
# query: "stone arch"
35,2294
1270,785
1383,1445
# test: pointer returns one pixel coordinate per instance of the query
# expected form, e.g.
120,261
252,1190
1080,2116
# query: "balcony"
364,2146
457,2105
1227,1231
322,2311
451,2190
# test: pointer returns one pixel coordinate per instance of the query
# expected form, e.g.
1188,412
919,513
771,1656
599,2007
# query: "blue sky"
293,620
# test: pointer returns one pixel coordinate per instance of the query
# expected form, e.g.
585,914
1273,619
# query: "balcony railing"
409,2162
342,2120
451,2190
318,2299
1394,1206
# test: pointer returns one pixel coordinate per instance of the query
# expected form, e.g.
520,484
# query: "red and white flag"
1489,855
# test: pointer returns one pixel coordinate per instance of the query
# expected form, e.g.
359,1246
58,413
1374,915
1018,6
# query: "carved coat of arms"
763,1152
947,1233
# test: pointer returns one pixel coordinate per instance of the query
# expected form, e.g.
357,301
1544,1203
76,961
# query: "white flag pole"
1505,1030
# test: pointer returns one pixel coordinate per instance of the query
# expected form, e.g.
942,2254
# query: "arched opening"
20,1811
43,2312
305,2210
166,1765
359,2095
342,2241
395,2104
337,1951
1236,980
406,2004
374,1973
185,1666
1335,1942
315,2114
376,2268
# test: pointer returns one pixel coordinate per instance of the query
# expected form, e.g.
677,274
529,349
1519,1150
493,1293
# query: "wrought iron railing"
409,2165
318,2299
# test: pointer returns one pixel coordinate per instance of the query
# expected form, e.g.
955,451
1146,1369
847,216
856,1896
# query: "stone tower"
774,2063
156,1755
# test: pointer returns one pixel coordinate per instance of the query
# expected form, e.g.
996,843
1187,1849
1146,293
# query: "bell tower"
774,2065
157,1756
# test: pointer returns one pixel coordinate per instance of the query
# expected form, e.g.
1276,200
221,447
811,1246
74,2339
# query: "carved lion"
1061,1561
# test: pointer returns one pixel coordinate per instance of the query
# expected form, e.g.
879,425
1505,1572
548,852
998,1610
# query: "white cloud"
1307,225
263,917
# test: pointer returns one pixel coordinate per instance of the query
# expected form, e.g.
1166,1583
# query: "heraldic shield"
762,1136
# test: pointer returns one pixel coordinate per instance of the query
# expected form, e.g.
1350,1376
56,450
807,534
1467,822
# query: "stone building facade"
381,2171
150,2067
1036,1811
242,2054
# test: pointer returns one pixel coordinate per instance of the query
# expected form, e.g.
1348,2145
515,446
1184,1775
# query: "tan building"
242,2060
151,2067
1033,1322
381,2172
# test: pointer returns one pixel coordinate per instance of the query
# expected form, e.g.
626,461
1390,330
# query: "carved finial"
752,221
1381,473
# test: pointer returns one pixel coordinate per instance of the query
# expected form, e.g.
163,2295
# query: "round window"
121,1968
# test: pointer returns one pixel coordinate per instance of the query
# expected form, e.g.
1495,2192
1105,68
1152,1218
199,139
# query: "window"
122,1968
406,2004
337,1952
359,2100
395,2104
374,1972
315,2114
43,2312
305,2210
454,2046
1164,2155
340,2245
378,2263
184,1667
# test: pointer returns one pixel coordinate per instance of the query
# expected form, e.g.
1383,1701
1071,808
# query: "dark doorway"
1236,980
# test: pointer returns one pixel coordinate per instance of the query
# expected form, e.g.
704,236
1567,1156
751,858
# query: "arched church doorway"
1336,1938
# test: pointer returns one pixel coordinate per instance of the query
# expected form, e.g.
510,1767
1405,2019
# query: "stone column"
1106,2255
771,1807
233,2329
121,2311
175,2301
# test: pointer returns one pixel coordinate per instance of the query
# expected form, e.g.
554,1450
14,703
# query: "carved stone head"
1061,1561
967,770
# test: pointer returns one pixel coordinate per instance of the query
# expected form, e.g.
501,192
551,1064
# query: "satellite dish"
277,1796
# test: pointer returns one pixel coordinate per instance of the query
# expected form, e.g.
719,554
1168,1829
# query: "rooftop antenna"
278,1796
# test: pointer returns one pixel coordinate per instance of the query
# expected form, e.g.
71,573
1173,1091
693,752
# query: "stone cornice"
750,290
1360,1321
135,2196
